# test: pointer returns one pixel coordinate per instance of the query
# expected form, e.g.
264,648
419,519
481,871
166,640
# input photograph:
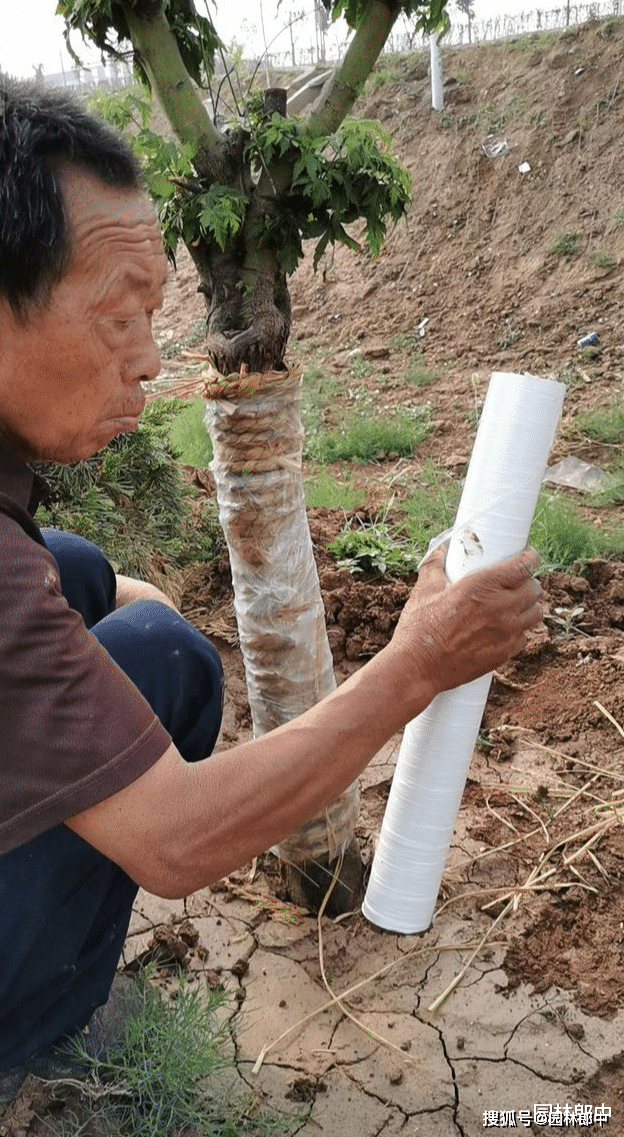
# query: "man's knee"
176,668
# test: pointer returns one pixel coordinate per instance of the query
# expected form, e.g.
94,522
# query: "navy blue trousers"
65,908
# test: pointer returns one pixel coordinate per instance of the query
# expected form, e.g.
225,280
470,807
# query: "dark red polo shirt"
73,728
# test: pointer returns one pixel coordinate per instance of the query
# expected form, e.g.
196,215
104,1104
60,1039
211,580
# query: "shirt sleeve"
74,728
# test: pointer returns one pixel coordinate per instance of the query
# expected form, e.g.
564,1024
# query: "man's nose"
144,361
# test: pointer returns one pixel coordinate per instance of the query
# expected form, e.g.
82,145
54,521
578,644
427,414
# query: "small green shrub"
164,1078
131,499
420,374
565,244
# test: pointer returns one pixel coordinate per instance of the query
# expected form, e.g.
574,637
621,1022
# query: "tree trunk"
255,427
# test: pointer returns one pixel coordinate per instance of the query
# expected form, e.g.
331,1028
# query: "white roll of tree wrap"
516,431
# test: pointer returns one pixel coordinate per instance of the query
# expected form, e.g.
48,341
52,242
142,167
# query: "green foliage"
565,244
131,499
333,493
162,1080
619,215
186,210
431,14
95,20
335,181
365,439
612,490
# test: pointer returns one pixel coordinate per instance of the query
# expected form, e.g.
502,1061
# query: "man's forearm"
273,784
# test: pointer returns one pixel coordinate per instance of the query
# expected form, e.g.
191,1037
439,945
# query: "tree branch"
349,78
156,45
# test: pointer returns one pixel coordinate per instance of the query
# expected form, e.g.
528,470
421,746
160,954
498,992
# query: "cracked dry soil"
538,1015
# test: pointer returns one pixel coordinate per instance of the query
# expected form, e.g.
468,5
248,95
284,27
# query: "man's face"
70,376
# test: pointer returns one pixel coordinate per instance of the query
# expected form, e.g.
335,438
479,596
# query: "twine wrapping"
255,426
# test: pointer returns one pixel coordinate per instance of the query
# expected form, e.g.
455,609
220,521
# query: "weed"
532,41
359,367
509,335
612,492
619,215
600,258
382,76
371,547
565,244
162,1080
333,493
604,424
567,621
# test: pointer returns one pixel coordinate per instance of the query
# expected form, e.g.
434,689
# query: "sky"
31,34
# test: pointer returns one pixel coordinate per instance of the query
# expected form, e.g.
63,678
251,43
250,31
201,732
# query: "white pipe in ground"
509,458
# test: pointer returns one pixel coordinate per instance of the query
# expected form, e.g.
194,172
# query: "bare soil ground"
539,1015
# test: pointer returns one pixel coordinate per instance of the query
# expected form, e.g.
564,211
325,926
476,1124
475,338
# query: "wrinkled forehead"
110,221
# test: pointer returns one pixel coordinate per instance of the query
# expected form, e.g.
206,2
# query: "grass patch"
565,244
604,424
132,501
167,1076
367,439
418,373
333,493
189,435
612,492
532,41
619,215
600,258
430,507
563,537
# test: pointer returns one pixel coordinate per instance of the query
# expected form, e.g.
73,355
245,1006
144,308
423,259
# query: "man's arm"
129,589
182,825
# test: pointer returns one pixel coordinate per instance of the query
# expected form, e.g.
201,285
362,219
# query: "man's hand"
469,628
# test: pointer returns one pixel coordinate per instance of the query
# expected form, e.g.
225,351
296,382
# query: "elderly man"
110,703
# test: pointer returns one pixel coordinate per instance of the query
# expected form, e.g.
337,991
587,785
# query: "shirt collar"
16,478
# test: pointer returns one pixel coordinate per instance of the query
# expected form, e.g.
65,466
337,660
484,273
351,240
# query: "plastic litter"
524,168
588,340
576,475
493,149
